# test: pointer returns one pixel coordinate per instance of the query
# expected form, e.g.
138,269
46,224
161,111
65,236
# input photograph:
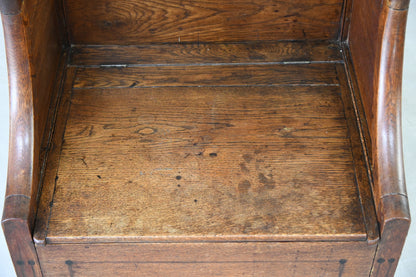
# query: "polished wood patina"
205,138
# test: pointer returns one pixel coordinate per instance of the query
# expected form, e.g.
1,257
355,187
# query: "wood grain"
206,138
200,75
266,52
250,163
365,44
208,259
128,22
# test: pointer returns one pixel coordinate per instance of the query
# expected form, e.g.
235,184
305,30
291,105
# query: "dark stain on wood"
32,264
248,158
268,183
91,131
83,130
244,168
244,186
380,261
70,264
20,262
342,263
390,261
84,162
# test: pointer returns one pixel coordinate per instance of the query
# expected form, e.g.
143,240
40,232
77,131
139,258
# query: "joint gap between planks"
316,40
205,86
205,64
88,241
54,104
206,262
41,228
358,126
60,150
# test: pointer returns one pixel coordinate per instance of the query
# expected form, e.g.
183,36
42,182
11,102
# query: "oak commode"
205,138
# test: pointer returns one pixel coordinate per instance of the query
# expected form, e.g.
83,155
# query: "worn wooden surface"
260,52
212,162
130,22
238,124
208,259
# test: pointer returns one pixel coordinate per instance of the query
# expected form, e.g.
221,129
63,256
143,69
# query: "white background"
407,264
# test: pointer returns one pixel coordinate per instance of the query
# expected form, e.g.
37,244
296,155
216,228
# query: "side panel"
33,47
376,42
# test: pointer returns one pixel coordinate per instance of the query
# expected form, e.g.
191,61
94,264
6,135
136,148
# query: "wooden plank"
217,163
127,22
208,259
200,75
282,51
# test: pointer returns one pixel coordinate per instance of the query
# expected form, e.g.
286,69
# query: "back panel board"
131,22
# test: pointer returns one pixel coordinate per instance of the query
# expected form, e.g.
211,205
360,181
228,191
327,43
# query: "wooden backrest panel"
172,21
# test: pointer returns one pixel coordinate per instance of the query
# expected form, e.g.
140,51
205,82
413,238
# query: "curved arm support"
387,146
19,203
